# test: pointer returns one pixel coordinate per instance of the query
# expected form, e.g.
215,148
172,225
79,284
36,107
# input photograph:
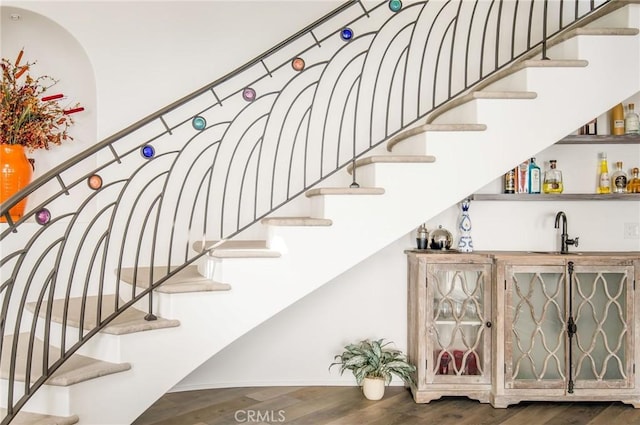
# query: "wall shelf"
555,197
573,139
598,139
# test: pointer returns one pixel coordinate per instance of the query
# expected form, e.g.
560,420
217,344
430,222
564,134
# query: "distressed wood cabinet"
449,335
505,327
567,329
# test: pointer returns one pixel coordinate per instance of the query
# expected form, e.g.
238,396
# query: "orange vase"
16,174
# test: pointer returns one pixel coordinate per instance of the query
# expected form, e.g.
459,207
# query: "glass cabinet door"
568,327
602,347
458,319
535,327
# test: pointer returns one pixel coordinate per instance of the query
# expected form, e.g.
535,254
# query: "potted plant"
373,363
29,120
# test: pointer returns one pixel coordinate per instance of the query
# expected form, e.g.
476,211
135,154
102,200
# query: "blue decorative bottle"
465,244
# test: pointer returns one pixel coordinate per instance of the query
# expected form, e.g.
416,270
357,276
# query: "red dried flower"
25,117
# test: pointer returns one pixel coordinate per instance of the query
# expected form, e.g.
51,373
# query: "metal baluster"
544,32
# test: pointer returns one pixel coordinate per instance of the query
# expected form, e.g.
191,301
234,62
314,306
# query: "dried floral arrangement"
27,116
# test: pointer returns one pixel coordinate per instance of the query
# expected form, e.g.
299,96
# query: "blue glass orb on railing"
199,123
395,5
249,94
43,216
346,34
147,151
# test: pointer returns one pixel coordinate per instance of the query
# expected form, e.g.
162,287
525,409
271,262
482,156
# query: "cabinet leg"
635,403
499,402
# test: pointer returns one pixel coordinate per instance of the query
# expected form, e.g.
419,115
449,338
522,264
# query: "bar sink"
553,253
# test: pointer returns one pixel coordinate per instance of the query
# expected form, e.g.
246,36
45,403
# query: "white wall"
369,301
144,55
61,56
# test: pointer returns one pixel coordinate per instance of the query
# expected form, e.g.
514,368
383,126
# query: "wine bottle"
631,121
617,120
604,182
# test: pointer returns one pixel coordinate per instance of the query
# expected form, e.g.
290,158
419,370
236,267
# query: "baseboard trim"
285,383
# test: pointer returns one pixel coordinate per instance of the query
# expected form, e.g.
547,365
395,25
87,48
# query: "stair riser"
612,68
235,269
421,142
102,346
123,348
343,207
568,49
50,400
624,17
95,398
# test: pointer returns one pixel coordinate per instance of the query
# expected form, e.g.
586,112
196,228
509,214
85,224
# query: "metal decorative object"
441,238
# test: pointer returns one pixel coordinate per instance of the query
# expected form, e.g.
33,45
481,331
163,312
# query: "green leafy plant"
374,359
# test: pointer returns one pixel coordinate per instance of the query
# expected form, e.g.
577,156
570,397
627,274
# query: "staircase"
201,306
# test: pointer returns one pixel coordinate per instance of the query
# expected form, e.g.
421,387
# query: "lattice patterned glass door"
602,348
535,327
458,321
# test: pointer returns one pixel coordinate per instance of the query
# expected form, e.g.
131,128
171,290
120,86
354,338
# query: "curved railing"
214,163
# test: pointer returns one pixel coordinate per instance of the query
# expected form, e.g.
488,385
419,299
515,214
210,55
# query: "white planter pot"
373,388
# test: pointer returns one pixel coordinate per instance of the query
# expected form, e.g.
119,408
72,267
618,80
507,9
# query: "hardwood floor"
347,406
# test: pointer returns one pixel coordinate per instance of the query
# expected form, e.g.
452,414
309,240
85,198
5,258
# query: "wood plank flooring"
347,406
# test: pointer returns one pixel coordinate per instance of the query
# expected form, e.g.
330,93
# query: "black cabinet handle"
489,324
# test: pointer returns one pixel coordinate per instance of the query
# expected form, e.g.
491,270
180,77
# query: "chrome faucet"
565,237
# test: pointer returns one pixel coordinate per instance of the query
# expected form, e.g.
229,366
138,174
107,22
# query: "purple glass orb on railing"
43,216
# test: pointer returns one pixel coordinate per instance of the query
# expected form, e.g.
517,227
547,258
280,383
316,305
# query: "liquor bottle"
534,177
590,128
604,183
552,179
522,178
634,182
619,179
617,120
510,181
631,121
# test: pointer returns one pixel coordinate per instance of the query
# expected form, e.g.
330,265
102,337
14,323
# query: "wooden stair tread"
130,321
297,221
499,94
199,246
187,280
606,31
344,191
392,159
245,253
237,249
28,418
77,368
433,127
553,63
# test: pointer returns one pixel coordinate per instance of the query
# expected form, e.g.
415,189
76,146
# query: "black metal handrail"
215,162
